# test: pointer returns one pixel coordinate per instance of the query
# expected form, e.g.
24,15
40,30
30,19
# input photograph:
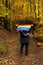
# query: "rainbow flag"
25,27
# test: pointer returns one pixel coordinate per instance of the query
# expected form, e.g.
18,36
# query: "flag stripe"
24,27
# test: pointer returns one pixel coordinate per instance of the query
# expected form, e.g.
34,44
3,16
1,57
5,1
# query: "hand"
16,24
32,24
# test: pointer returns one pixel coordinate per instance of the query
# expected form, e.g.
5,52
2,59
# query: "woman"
24,40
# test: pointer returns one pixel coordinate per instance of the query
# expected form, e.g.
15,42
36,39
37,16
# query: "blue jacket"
24,39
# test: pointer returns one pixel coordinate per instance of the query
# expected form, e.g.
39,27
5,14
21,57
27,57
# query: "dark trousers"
26,48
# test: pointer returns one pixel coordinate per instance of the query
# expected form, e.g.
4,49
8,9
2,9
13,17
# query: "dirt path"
35,55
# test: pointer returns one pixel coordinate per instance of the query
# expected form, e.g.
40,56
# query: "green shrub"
3,48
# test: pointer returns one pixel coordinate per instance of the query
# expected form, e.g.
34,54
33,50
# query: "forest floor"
35,54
